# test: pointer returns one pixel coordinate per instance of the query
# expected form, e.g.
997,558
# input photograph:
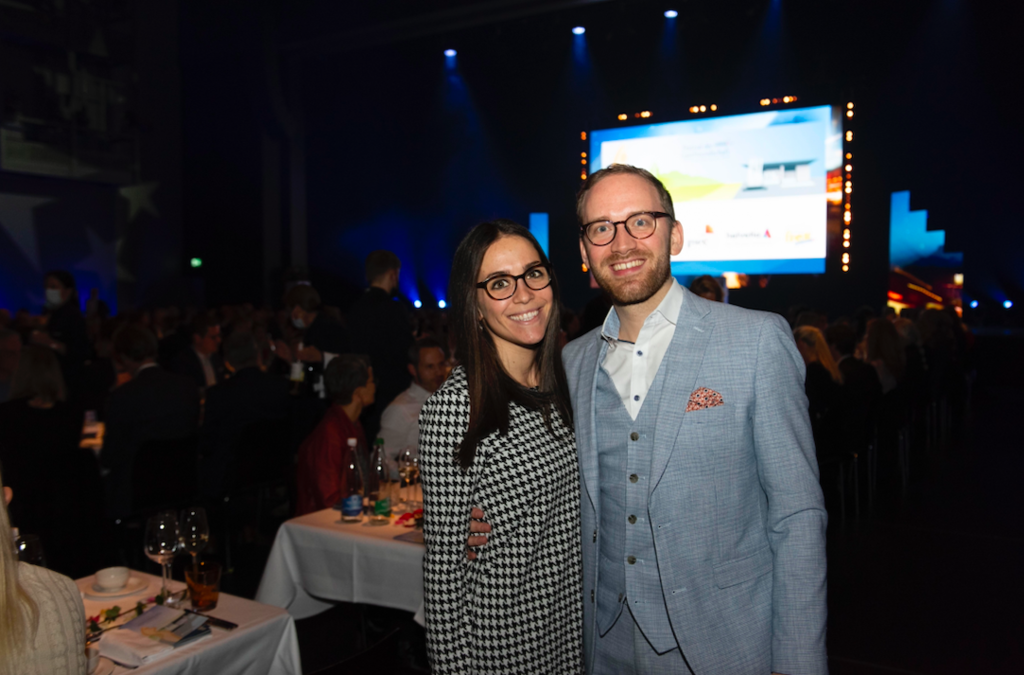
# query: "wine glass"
195,532
413,473
404,460
161,542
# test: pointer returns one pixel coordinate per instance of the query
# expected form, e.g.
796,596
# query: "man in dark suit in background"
248,396
201,363
154,405
381,328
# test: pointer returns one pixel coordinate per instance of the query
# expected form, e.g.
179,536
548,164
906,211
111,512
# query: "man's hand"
310,355
476,525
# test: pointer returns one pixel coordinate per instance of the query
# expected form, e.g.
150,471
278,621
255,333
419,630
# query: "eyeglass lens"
504,286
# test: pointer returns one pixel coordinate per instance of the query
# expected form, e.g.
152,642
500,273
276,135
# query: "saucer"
103,667
134,585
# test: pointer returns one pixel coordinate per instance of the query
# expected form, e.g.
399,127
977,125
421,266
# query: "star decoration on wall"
140,198
17,220
104,260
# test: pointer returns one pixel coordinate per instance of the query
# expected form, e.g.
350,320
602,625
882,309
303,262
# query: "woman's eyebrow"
507,273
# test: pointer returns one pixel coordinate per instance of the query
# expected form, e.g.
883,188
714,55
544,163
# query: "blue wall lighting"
442,304
1007,304
579,30
974,304
539,230
450,53
671,13
417,304
910,241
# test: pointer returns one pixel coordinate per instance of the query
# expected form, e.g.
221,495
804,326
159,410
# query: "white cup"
112,578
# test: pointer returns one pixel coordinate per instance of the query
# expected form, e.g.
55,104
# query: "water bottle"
351,484
382,477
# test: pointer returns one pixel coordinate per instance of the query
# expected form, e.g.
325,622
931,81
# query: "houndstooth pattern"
517,608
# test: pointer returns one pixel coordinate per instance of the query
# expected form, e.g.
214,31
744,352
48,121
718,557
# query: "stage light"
846,234
196,262
849,155
849,135
714,107
958,279
694,109
1007,304
442,304
848,189
846,268
849,113
765,101
846,244
846,257
585,268
417,304
450,53
703,108
579,30
671,13
623,117
775,100
785,99
583,154
645,113
849,105
849,167
583,135
974,304
583,175
583,162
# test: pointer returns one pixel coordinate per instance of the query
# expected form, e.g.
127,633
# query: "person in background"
350,386
707,287
382,329
42,619
10,347
323,336
884,350
65,331
60,482
154,405
822,386
862,390
202,363
248,396
399,425
173,340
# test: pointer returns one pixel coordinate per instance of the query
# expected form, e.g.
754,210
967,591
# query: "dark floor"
926,582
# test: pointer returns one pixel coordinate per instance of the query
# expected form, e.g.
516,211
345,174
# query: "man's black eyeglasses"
639,226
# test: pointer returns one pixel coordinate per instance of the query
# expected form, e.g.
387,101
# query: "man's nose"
623,241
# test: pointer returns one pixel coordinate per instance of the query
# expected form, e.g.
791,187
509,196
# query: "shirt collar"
667,310
418,392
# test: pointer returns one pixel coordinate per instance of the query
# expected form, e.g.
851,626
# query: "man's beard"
635,291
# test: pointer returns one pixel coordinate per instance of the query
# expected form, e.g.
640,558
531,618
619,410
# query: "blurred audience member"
248,396
10,348
323,336
65,331
883,349
399,425
173,340
822,386
42,618
202,363
382,329
154,405
862,390
350,386
707,287
59,481
812,318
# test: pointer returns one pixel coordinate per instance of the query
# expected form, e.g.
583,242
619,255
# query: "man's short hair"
379,263
619,169
346,373
413,354
240,350
135,343
201,325
843,337
303,296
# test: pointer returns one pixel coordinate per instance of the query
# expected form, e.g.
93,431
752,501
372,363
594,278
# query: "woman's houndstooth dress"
517,608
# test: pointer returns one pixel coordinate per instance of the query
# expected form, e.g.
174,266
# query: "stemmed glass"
161,542
195,532
412,476
404,460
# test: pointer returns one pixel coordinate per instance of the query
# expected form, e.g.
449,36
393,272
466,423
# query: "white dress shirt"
208,372
633,366
399,424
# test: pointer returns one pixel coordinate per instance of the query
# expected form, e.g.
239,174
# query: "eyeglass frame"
515,281
655,214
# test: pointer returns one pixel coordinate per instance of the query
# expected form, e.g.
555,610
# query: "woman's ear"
8,495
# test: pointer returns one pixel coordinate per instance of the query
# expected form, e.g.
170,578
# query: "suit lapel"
586,430
681,367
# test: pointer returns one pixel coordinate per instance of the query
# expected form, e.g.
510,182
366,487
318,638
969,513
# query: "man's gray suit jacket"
735,504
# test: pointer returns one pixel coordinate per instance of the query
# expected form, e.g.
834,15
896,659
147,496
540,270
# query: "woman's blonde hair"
813,338
19,616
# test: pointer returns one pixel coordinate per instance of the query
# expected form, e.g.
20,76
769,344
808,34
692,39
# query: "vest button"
631,559
634,436
632,520
634,478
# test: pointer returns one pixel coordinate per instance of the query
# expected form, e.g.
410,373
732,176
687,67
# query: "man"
381,328
703,521
350,386
154,405
10,348
249,396
202,363
399,425
324,337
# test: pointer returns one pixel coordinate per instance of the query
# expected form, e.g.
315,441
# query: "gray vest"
628,568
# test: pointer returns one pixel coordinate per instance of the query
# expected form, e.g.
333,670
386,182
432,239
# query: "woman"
42,620
65,331
822,386
498,436
58,481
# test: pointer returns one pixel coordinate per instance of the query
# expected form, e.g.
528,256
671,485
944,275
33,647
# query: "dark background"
291,138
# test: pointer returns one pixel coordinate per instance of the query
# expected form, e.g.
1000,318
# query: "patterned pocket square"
704,398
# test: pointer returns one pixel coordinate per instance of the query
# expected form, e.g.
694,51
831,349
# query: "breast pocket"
721,414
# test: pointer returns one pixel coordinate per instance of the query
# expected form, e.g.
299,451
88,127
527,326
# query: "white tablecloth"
317,559
263,644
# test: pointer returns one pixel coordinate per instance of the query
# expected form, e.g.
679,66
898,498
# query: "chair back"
261,455
165,474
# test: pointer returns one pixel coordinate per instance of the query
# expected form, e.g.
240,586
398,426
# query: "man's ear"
412,370
676,238
583,253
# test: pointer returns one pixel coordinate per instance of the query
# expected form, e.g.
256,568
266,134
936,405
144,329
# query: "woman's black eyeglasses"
503,286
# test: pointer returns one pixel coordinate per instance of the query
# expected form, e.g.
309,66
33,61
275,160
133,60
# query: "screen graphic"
751,191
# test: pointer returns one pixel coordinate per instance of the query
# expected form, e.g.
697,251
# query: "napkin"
131,648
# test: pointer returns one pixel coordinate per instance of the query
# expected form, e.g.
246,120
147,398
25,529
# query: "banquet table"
264,643
318,560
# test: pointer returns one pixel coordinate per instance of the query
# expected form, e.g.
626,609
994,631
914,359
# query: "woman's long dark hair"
491,388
